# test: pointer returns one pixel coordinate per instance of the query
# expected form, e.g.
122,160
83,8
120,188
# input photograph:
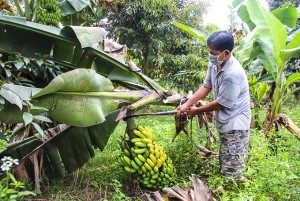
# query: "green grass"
273,169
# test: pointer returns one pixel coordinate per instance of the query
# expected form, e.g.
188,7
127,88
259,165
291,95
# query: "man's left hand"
194,111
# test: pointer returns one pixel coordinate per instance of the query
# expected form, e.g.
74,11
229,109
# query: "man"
231,103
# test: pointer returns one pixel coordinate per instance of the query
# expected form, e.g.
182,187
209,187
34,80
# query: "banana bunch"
48,12
144,157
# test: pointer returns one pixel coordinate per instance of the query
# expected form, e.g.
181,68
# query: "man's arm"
200,94
211,106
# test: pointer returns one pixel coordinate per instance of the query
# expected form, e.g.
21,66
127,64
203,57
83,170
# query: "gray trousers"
233,153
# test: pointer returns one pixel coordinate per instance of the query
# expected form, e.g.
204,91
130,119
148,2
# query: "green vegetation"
159,48
61,123
10,188
272,168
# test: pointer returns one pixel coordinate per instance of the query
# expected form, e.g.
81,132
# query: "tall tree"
161,49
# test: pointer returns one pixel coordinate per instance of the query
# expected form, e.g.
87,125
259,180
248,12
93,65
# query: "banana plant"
68,8
83,101
258,92
268,42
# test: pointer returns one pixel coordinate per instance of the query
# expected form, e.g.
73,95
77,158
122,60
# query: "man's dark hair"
221,40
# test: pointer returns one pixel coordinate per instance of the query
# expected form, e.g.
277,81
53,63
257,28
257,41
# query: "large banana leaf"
88,96
85,110
69,7
73,47
287,14
246,47
292,50
66,148
244,15
194,32
271,31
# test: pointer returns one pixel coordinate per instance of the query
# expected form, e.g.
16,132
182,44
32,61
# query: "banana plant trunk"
277,99
130,124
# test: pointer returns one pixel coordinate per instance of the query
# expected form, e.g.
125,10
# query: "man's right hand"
182,109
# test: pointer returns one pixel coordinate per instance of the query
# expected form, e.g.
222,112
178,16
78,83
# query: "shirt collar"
228,63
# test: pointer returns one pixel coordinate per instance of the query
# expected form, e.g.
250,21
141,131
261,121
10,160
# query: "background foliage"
272,168
178,61
160,49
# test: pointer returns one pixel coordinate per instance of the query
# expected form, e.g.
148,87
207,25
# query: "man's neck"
220,66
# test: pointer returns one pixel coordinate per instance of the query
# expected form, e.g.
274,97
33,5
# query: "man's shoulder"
235,71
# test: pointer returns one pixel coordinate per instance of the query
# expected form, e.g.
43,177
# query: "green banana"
144,169
127,160
139,151
48,12
152,181
139,134
146,154
149,185
140,144
141,128
129,169
134,165
147,134
126,152
134,140
148,141
147,166
155,176
138,161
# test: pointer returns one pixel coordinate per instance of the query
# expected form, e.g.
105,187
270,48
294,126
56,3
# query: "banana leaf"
287,14
73,47
88,96
271,32
67,148
194,32
246,47
244,15
292,50
69,7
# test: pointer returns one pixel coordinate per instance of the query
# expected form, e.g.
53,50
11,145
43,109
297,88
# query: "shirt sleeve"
207,81
228,93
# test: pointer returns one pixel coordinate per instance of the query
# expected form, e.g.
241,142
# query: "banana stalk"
149,99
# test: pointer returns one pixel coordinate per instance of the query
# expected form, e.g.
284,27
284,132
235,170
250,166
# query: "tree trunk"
146,66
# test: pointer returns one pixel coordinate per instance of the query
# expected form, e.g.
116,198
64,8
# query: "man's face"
222,55
214,51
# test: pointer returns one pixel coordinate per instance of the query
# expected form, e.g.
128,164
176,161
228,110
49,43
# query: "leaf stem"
129,96
20,11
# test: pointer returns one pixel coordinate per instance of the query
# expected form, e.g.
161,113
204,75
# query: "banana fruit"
47,12
144,157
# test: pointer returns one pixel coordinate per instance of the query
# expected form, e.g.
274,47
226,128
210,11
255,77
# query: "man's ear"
227,54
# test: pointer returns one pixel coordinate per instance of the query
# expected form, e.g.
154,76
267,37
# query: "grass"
273,169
